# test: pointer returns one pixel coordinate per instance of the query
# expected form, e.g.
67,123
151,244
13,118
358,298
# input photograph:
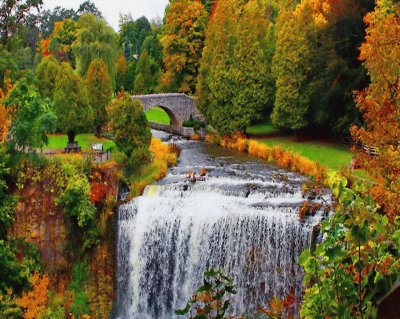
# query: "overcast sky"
112,8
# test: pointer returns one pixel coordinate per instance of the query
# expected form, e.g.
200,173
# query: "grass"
158,115
331,155
58,141
261,129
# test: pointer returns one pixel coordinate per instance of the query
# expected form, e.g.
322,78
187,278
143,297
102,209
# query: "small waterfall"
245,223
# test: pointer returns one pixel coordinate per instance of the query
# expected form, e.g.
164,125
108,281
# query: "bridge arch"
179,107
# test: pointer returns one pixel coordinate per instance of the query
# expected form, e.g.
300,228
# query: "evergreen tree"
144,79
121,72
46,75
295,49
235,82
130,76
71,103
99,92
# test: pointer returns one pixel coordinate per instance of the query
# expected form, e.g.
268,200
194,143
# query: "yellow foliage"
277,155
34,301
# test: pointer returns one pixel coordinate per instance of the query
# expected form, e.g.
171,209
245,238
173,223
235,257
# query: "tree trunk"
71,137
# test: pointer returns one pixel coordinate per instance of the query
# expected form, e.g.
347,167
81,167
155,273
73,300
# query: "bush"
191,122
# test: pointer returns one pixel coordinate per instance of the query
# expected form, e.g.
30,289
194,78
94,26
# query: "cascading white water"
243,218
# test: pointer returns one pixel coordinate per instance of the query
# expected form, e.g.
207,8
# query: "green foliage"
296,41
71,103
212,299
77,202
358,261
32,117
131,129
8,306
95,40
55,309
7,202
133,33
99,92
153,46
46,75
235,80
16,271
14,14
80,301
144,78
130,76
191,122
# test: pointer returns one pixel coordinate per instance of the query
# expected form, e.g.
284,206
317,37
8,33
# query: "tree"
235,81
183,42
31,117
130,76
133,33
380,105
122,66
13,14
48,18
88,7
34,302
71,103
131,130
7,202
295,49
154,48
61,40
46,75
99,92
95,40
144,78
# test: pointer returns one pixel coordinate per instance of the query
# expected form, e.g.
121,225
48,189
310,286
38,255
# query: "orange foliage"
34,301
44,44
4,114
379,103
196,137
277,155
164,156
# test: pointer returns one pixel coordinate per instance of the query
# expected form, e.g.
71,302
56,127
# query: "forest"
307,69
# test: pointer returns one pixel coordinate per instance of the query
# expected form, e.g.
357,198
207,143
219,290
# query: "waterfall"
243,218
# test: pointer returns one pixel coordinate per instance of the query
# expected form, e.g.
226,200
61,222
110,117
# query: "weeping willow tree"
96,40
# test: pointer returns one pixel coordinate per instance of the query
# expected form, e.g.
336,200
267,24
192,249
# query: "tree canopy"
71,104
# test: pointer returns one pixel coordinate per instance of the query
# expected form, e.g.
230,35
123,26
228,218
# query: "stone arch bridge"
179,107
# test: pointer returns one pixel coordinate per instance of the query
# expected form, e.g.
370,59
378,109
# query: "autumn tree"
46,75
99,92
131,130
380,104
71,103
34,302
95,40
235,80
61,40
183,42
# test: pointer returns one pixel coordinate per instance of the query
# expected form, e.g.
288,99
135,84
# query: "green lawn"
84,140
261,129
158,115
328,154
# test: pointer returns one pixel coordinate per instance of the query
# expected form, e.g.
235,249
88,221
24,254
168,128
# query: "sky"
112,8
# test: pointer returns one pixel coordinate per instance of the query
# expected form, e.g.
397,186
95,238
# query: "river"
243,218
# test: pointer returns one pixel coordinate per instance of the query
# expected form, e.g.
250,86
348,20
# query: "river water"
243,218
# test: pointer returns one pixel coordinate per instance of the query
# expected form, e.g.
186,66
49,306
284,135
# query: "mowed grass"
261,129
58,141
158,115
331,155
